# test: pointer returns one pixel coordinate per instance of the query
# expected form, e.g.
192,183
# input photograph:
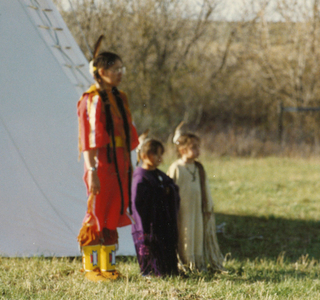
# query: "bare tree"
167,47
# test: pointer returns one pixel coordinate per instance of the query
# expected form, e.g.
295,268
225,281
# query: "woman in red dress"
106,137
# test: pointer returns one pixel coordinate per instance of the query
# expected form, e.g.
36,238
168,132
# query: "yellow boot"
108,262
91,260
95,276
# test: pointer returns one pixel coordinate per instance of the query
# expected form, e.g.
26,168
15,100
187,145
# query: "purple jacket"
155,204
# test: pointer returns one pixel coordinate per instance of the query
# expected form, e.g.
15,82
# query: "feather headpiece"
177,133
97,45
142,138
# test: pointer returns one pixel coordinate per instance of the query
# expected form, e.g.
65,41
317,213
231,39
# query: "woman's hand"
90,159
93,182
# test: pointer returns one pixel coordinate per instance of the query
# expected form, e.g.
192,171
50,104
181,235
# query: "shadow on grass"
252,275
249,237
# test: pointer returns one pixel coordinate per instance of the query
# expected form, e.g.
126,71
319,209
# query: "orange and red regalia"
107,210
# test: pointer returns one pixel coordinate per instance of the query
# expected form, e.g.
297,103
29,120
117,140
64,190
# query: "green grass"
271,209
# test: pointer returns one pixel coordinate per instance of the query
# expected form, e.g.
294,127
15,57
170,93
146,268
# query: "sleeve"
176,196
143,203
133,130
173,188
173,172
210,205
134,137
92,132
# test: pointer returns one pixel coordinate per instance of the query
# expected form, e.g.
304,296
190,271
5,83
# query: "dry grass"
246,142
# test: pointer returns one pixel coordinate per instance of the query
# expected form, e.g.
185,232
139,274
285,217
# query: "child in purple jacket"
155,204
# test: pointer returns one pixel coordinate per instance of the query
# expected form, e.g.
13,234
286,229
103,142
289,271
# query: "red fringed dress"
103,214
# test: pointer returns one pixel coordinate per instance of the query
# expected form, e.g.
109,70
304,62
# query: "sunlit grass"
271,210
287,188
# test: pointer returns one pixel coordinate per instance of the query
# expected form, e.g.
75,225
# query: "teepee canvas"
42,74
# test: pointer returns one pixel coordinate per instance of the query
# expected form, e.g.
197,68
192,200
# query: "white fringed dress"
197,244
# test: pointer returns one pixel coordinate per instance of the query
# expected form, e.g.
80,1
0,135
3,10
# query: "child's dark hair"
104,60
185,140
151,146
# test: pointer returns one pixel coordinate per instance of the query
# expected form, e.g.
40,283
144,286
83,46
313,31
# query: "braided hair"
105,60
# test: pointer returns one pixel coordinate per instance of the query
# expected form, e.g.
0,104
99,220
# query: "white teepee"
42,74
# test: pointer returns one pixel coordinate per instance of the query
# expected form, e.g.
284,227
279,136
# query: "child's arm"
143,203
173,172
210,205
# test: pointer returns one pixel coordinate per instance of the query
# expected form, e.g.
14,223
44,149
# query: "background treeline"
226,80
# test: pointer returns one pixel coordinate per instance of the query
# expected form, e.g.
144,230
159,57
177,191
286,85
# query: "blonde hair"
185,140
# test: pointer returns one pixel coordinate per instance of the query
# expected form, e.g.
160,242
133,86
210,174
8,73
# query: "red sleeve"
133,130
92,123
134,137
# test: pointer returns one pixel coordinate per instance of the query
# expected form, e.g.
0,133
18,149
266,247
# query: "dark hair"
185,140
151,146
104,60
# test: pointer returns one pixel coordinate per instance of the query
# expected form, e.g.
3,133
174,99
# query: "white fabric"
42,195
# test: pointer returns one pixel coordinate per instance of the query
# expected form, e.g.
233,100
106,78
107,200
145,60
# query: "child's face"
152,161
191,151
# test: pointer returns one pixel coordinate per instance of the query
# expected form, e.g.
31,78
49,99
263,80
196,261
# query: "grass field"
271,210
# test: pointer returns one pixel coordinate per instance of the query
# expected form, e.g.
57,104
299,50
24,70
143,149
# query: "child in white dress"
197,244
